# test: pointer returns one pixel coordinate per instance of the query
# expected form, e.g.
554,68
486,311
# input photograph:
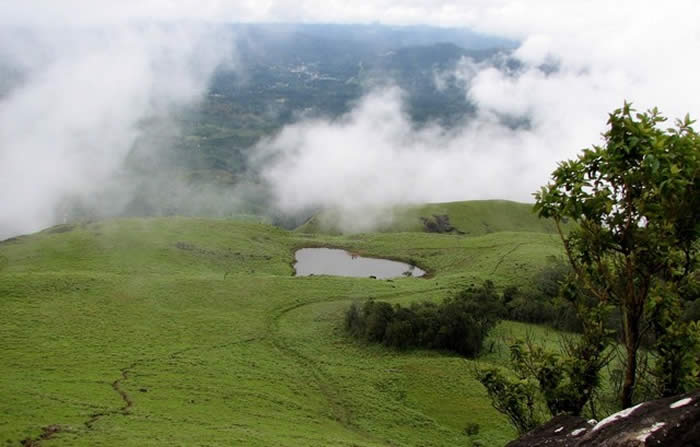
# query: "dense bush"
460,323
540,301
542,384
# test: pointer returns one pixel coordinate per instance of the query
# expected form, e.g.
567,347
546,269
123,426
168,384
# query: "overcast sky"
514,18
75,118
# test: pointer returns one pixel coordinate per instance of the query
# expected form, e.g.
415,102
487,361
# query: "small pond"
330,261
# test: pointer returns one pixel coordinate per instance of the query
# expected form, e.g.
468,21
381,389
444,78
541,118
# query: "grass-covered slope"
184,331
471,218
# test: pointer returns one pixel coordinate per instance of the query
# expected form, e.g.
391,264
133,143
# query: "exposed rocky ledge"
671,422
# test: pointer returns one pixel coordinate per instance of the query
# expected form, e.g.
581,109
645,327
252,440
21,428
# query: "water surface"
331,261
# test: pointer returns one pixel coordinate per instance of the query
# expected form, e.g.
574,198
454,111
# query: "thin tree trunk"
632,345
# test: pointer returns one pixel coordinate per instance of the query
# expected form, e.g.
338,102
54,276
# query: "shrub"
514,398
459,324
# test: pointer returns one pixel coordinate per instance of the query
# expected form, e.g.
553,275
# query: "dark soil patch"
47,433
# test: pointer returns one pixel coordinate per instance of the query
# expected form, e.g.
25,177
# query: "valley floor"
184,331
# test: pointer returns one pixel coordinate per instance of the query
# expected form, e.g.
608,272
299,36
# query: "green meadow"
187,331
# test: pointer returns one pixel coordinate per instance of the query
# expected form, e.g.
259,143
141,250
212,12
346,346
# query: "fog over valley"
231,108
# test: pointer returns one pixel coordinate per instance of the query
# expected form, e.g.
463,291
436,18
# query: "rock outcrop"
671,422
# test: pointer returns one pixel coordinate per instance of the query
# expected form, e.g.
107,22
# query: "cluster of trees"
540,302
460,323
633,255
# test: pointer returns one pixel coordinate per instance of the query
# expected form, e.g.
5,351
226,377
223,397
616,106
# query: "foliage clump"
514,397
565,381
439,223
460,323
540,301
636,207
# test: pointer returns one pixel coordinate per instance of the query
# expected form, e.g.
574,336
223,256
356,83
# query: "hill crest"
469,218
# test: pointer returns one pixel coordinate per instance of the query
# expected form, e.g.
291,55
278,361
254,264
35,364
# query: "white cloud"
80,108
604,53
512,18
70,123
374,156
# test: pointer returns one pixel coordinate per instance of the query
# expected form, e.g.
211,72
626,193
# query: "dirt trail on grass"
505,255
47,433
51,431
128,403
338,404
340,412
116,386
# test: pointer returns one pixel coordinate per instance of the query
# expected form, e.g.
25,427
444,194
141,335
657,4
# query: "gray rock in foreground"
672,422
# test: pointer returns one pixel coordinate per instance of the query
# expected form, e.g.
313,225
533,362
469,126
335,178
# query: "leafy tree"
378,315
677,343
635,203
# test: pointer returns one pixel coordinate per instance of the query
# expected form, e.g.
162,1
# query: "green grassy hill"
183,331
472,218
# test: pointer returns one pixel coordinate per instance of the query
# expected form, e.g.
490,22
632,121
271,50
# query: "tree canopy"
635,204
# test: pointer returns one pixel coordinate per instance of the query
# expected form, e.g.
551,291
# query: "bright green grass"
473,218
216,343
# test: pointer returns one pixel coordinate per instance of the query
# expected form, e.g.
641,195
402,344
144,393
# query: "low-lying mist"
530,115
89,114
74,102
